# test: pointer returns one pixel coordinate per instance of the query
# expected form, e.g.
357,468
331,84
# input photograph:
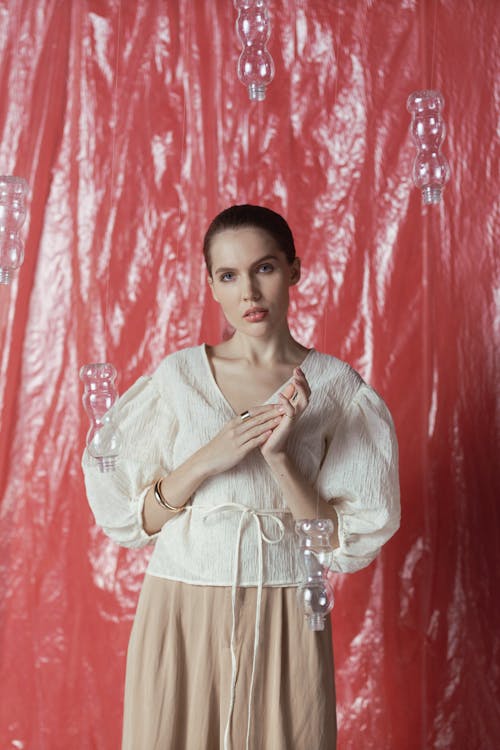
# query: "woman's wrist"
279,463
165,502
200,465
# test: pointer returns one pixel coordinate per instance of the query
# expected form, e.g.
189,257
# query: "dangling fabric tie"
255,514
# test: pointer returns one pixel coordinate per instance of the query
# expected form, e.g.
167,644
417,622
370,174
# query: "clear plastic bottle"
430,168
13,194
255,64
315,593
103,438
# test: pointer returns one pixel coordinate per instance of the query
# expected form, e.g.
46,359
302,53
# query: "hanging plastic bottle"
315,594
103,438
13,193
255,64
430,168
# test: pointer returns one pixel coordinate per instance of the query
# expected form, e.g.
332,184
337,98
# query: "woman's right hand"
238,438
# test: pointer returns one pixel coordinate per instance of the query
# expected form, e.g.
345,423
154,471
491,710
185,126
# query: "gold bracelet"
161,500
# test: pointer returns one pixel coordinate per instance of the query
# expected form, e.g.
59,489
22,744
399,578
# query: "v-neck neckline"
204,353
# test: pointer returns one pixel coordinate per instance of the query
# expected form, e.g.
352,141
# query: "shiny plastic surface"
132,129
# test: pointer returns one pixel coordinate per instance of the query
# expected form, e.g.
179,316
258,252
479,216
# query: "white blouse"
237,524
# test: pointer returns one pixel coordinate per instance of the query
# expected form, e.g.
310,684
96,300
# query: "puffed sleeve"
148,429
359,476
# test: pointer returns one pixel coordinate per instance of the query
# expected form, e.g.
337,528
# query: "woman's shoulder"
180,357
341,383
331,377
328,367
179,365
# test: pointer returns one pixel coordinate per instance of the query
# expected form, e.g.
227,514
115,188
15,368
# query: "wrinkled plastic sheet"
130,125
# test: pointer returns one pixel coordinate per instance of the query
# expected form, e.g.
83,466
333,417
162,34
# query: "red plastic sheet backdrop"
132,129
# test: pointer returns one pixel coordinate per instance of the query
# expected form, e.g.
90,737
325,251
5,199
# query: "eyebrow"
225,269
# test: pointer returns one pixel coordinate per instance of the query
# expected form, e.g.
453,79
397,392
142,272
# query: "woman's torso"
241,510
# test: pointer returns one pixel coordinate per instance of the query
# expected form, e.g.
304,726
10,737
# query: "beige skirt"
186,689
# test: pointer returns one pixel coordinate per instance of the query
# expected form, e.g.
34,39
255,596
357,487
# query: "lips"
255,314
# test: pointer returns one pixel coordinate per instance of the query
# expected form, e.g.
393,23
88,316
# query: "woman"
225,447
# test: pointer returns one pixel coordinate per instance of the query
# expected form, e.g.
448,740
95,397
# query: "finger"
292,391
301,394
255,411
288,390
287,408
300,374
249,423
257,421
266,428
301,379
257,441
262,409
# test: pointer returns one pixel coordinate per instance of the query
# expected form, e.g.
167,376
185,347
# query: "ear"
295,272
211,285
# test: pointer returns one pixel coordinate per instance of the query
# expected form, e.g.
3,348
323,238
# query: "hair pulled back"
258,217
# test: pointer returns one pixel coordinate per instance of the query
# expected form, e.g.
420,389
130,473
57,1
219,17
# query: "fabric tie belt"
255,515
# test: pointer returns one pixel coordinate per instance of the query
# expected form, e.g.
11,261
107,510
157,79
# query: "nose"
250,290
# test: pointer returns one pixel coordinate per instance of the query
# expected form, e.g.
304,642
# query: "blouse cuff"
139,503
342,561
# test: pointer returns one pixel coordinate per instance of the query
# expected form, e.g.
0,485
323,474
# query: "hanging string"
434,36
16,57
261,139
335,55
186,40
11,147
427,75
9,150
422,44
426,350
114,114
186,43
290,160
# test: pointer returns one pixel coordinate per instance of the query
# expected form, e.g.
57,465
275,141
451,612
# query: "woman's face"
250,279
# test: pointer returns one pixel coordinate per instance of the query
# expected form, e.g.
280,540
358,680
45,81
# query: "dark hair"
246,215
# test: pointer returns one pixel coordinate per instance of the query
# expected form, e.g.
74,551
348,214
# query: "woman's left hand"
292,402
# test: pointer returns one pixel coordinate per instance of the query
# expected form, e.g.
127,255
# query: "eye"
227,276
266,268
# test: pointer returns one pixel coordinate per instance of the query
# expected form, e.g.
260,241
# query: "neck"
265,351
